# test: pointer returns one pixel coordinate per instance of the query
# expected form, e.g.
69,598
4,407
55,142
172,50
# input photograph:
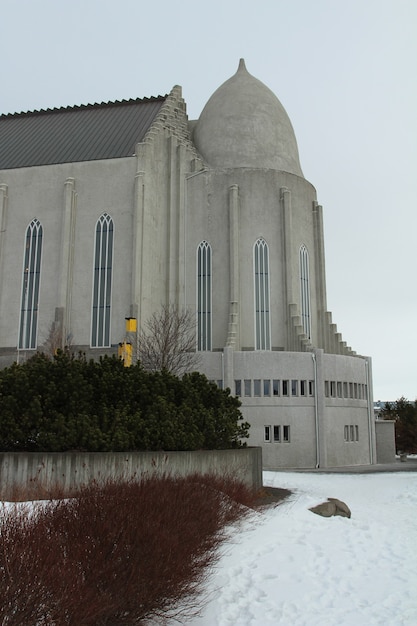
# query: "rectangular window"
332,388
220,384
346,433
30,286
294,387
326,388
275,387
351,433
261,285
238,387
311,387
355,390
350,390
257,387
248,387
277,433
303,387
357,433
204,296
267,433
345,390
339,389
267,387
285,388
286,433
102,283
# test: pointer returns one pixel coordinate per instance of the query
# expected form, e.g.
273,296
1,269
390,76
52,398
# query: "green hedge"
68,403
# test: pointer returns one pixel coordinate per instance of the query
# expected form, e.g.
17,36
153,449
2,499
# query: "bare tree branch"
168,342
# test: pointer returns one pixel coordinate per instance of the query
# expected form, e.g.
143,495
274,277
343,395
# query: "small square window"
257,387
267,433
267,387
248,387
277,433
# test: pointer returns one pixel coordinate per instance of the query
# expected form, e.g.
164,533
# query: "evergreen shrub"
69,403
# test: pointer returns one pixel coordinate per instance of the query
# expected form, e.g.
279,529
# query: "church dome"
244,125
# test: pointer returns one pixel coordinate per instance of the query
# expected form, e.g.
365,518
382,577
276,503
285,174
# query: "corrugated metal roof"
85,133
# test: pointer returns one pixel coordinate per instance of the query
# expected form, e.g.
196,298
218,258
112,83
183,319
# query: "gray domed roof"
244,125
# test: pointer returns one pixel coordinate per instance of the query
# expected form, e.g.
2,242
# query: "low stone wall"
23,474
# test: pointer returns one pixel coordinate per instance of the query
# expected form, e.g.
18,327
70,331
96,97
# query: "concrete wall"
385,441
24,473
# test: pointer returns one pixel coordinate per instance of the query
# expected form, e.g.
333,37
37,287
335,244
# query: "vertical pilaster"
228,368
320,275
137,244
287,264
172,204
3,228
181,261
3,213
66,269
233,339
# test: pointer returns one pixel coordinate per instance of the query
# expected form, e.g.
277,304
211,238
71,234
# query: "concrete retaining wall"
23,474
385,441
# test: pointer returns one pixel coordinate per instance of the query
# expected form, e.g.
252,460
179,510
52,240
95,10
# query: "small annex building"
109,211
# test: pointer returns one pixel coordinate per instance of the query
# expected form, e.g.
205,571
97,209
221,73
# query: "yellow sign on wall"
131,324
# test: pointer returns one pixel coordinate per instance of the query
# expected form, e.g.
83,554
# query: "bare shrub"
118,553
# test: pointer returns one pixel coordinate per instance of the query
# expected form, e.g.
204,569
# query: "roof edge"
96,105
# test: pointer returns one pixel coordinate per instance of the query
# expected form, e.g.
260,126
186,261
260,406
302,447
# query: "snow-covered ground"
289,567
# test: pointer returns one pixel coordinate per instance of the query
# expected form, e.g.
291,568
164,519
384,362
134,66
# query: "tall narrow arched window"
261,284
204,296
102,282
305,291
29,307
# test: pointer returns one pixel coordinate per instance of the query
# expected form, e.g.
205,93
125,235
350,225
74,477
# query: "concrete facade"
230,182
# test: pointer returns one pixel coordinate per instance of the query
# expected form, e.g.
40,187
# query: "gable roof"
83,133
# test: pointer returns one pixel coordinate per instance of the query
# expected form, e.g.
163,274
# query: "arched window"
102,282
261,283
305,291
204,296
29,306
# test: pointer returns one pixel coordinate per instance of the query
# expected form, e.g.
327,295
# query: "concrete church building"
110,211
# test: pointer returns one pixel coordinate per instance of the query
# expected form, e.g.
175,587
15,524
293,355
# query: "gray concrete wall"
385,441
24,473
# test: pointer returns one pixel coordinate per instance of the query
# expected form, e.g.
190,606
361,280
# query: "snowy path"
289,567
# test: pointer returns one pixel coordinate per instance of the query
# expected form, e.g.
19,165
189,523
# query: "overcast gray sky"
346,72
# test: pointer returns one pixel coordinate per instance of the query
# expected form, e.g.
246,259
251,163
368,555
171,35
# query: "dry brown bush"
118,553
